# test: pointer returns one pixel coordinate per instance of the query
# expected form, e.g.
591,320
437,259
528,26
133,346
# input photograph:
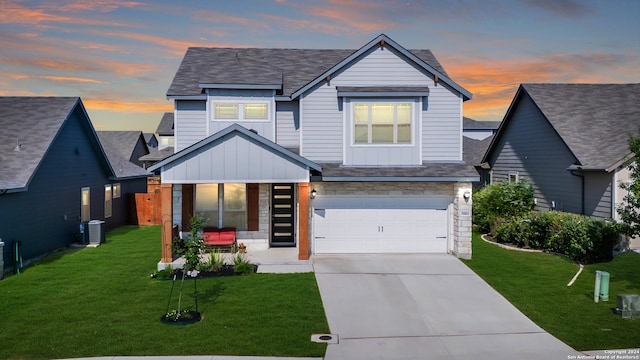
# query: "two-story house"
329,151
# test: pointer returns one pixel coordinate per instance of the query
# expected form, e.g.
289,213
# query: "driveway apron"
423,306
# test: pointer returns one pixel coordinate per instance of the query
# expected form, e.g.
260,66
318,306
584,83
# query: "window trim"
82,205
108,203
116,191
514,175
395,101
241,111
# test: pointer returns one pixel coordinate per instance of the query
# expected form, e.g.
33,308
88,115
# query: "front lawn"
536,283
102,302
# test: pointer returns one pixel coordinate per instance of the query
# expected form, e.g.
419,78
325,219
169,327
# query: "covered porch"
238,179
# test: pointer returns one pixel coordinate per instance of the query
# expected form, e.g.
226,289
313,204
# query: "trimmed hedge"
577,236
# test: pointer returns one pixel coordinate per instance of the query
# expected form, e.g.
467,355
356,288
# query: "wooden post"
167,222
303,221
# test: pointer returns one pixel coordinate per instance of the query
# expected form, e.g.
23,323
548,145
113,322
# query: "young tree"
629,211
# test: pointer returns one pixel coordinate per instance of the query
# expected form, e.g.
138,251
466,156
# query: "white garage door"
379,231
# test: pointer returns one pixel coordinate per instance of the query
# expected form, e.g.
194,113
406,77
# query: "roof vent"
18,146
254,131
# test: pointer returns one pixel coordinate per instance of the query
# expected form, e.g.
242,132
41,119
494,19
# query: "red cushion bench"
216,237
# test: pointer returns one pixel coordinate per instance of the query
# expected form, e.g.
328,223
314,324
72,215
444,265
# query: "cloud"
566,8
127,106
12,12
71,79
494,82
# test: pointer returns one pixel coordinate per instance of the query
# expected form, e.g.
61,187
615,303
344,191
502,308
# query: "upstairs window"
241,111
382,122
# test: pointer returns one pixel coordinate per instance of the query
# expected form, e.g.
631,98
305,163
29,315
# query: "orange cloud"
347,14
127,106
72,79
15,13
494,82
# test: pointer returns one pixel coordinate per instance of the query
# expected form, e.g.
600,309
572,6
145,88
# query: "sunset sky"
120,56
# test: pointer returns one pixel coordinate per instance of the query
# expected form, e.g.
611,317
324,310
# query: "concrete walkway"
423,307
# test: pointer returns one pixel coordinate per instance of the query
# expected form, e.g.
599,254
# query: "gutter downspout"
572,172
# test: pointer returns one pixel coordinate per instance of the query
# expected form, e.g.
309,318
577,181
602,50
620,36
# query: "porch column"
303,221
166,194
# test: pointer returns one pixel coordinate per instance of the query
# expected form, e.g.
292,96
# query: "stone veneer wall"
462,221
460,210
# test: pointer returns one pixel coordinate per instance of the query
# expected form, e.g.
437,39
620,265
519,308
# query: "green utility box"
604,286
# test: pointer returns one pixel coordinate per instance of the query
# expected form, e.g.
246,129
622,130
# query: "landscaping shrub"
577,236
497,202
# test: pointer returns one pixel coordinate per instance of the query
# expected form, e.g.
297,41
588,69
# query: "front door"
282,215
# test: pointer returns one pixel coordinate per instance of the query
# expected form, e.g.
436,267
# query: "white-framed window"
85,204
238,111
382,122
116,190
108,203
222,205
513,177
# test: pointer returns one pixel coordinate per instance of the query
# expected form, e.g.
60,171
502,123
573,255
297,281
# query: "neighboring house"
473,152
151,140
154,156
55,176
329,151
570,142
479,130
165,131
131,145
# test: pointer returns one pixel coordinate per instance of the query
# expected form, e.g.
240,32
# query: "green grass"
102,302
536,283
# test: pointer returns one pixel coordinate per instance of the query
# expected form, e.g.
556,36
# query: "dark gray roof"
291,68
148,137
33,123
165,127
157,155
122,167
473,149
426,172
594,120
122,142
470,124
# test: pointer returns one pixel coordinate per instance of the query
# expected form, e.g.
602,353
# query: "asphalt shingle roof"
470,124
165,127
122,142
33,123
594,120
121,166
292,68
473,149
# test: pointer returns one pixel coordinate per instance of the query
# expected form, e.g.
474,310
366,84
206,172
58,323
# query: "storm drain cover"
325,338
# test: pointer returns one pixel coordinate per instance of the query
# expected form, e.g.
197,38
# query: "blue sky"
120,56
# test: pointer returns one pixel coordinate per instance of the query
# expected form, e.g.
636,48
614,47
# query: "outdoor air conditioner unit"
628,306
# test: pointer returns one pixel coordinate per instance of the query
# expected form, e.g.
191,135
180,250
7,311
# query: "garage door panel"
380,231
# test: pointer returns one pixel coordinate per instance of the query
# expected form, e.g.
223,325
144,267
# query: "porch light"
313,193
467,195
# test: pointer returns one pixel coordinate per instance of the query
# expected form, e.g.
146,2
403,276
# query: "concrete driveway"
423,307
